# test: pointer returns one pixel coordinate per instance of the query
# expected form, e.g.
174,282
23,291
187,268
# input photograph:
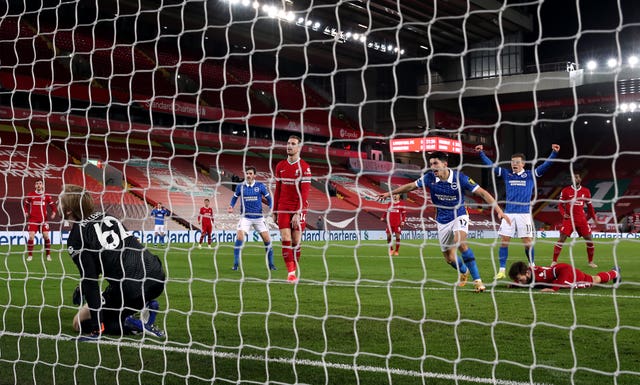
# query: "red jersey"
396,214
560,276
572,202
206,216
293,181
35,207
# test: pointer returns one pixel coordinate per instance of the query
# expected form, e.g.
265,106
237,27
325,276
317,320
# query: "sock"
557,249
503,255
47,246
530,254
155,239
30,247
397,245
269,249
590,250
287,255
201,238
152,316
607,276
461,267
470,260
297,249
236,252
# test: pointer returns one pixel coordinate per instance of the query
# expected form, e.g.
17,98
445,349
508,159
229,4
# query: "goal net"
161,110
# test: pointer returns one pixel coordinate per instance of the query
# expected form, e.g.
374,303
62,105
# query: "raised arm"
547,163
485,159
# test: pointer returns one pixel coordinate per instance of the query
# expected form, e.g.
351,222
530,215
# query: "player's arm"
90,287
267,197
398,190
485,159
561,206
490,200
540,170
26,205
53,205
276,196
234,199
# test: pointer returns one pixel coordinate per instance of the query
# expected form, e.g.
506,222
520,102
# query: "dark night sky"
592,24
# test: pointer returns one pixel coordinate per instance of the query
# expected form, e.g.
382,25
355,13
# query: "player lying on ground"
100,246
559,276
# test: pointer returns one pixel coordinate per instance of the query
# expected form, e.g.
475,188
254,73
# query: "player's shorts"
207,228
521,226
446,231
394,229
160,228
284,221
258,224
38,227
580,227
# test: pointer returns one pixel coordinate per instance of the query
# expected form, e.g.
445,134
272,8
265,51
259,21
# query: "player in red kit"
395,216
205,221
573,199
35,211
559,276
291,202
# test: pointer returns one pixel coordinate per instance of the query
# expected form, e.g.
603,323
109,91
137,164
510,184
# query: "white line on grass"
288,361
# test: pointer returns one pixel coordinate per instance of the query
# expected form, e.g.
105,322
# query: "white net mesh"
167,102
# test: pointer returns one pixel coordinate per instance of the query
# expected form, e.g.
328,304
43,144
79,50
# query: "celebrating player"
35,211
395,216
447,187
251,193
519,185
561,275
100,245
291,202
572,201
159,213
205,221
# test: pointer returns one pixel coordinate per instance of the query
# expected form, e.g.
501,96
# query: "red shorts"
580,227
394,229
284,221
207,228
38,227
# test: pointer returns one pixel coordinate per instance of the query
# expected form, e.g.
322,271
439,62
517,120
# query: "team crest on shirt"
524,175
255,189
454,186
297,172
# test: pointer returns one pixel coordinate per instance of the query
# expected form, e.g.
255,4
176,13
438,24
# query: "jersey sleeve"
305,187
468,183
236,194
276,193
562,202
540,170
591,212
496,170
52,204
267,196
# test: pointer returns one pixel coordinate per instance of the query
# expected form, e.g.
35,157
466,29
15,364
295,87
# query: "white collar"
449,179
250,185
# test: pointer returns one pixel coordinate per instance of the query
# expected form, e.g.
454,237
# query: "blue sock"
470,260
462,268
269,249
503,254
153,311
530,254
236,252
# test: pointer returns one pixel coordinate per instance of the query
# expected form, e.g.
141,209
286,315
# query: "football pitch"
357,316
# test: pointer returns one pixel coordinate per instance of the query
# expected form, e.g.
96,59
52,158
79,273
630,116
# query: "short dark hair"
206,199
442,156
250,168
296,137
517,268
519,155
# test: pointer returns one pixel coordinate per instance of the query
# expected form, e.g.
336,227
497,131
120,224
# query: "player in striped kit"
519,185
291,202
573,199
447,188
35,211
251,193
159,213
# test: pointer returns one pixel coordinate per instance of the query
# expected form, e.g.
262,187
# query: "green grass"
356,317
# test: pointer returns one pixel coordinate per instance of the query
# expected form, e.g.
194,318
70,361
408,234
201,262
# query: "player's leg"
506,231
398,238
448,246
590,246
47,241
266,239
557,248
237,247
529,250
524,231
31,241
389,244
296,237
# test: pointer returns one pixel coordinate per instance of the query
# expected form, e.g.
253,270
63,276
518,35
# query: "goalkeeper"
100,245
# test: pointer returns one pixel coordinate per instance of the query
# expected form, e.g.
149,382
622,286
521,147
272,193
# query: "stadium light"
611,63
624,107
632,61
632,107
592,65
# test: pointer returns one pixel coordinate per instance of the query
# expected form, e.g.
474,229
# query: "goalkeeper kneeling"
101,247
